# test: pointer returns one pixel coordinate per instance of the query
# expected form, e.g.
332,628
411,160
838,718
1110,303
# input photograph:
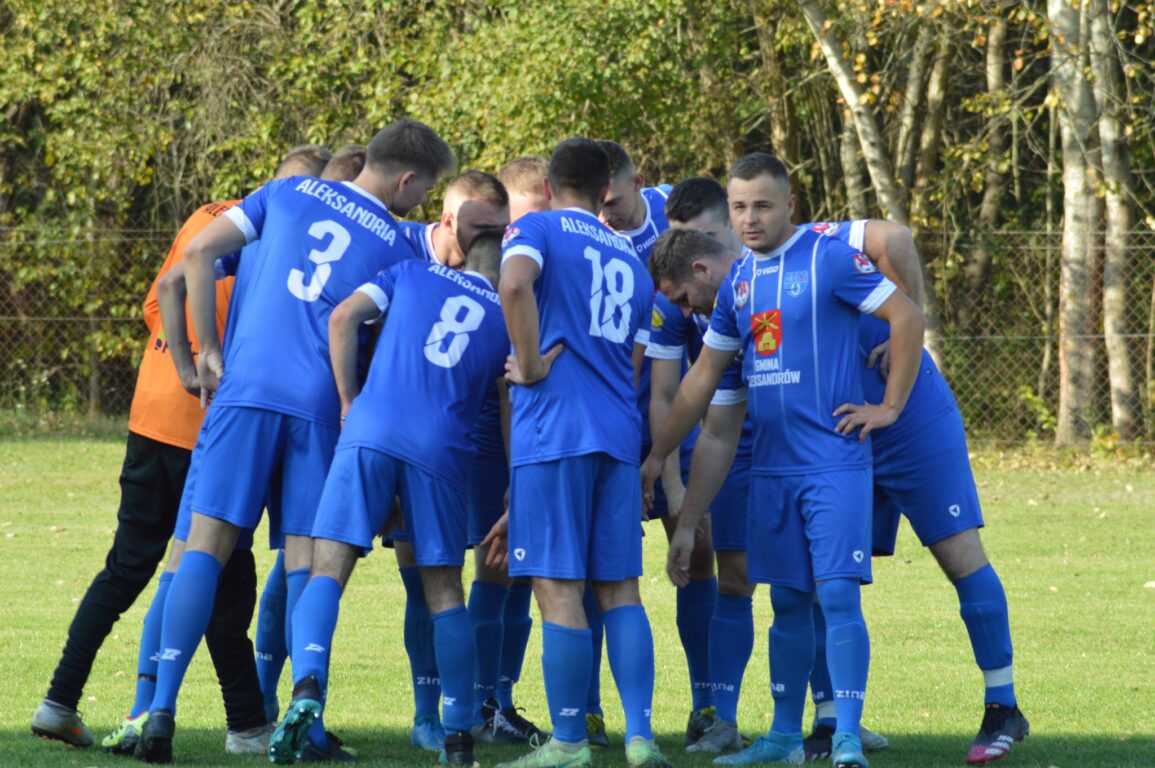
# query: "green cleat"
644,753
596,731
554,754
123,740
289,741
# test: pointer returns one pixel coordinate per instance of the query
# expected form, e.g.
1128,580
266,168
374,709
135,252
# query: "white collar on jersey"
429,249
575,209
480,277
366,194
777,252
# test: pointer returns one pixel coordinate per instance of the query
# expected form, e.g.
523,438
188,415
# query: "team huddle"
565,354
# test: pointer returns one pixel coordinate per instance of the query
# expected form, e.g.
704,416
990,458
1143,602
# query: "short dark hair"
484,254
620,162
524,175
304,160
675,252
692,197
478,185
757,164
345,164
580,165
410,145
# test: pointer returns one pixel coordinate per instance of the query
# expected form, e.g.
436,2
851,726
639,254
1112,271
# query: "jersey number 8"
455,328
611,289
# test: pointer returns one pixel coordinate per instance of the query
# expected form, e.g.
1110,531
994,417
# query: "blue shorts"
576,518
254,459
184,513
359,494
486,485
661,506
927,478
728,511
803,529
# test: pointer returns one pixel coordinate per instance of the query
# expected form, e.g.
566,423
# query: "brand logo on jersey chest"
766,328
656,319
741,294
796,282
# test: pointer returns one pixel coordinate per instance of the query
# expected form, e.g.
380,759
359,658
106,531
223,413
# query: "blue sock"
146,661
695,609
186,617
848,650
456,654
514,639
419,646
565,662
271,635
983,605
820,689
791,656
594,619
314,622
486,610
731,643
630,646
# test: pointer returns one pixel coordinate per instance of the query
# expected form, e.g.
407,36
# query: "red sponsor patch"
510,233
766,328
863,264
825,227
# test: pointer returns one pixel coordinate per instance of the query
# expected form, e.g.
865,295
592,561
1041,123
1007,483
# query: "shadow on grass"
390,747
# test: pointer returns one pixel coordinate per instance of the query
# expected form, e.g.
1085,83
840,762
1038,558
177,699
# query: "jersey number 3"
339,241
611,289
449,336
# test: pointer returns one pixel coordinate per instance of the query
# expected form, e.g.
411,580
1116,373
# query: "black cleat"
1001,728
155,744
458,750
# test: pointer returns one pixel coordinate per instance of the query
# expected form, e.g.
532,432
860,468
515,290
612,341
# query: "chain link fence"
71,332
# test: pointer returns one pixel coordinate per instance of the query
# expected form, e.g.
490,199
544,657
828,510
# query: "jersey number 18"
611,289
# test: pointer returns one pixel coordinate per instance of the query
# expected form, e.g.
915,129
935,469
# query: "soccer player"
922,471
474,202
346,163
440,353
638,213
575,440
162,427
524,179
278,406
792,307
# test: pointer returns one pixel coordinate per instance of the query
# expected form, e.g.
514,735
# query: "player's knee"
788,602
732,575
841,600
960,555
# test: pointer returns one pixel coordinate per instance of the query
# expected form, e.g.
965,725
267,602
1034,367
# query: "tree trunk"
977,270
926,169
904,151
1126,409
1076,128
779,111
852,169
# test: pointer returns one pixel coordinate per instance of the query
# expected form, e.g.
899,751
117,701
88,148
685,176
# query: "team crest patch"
656,319
766,327
510,233
796,282
741,294
826,227
863,264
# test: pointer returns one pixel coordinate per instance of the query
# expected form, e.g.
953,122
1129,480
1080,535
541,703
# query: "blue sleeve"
854,278
526,237
226,266
249,214
382,287
668,330
645,292
723,332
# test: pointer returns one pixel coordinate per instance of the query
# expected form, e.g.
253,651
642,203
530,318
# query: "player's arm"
713,455
690,404
219,238
346,319
664,378
170,296
527,365
891,247
907,325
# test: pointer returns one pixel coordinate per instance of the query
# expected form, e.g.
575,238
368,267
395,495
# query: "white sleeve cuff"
716,340
523,250
373,291
857,239
877,297
664,352
237,216
728,396
642,337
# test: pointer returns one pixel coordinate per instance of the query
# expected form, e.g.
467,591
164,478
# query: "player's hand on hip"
497,540
533,371
210,368
651,471
880,355
678,560
866,418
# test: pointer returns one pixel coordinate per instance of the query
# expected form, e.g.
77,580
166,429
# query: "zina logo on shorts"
857,555
519,553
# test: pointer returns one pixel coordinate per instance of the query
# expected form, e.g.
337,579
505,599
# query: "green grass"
1072,538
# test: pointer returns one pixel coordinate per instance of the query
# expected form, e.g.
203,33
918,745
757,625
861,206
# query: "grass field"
1073,539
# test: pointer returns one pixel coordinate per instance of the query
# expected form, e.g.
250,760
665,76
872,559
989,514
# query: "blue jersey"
930,397
674,336
595,297
316,242
440,353
420,237
795,313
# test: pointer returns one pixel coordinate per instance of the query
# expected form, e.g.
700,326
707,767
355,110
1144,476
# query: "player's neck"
442,245
563,199
638,218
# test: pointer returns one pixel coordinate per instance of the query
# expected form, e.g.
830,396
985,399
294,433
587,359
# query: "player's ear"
639,181
548,189
449,221
405,179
